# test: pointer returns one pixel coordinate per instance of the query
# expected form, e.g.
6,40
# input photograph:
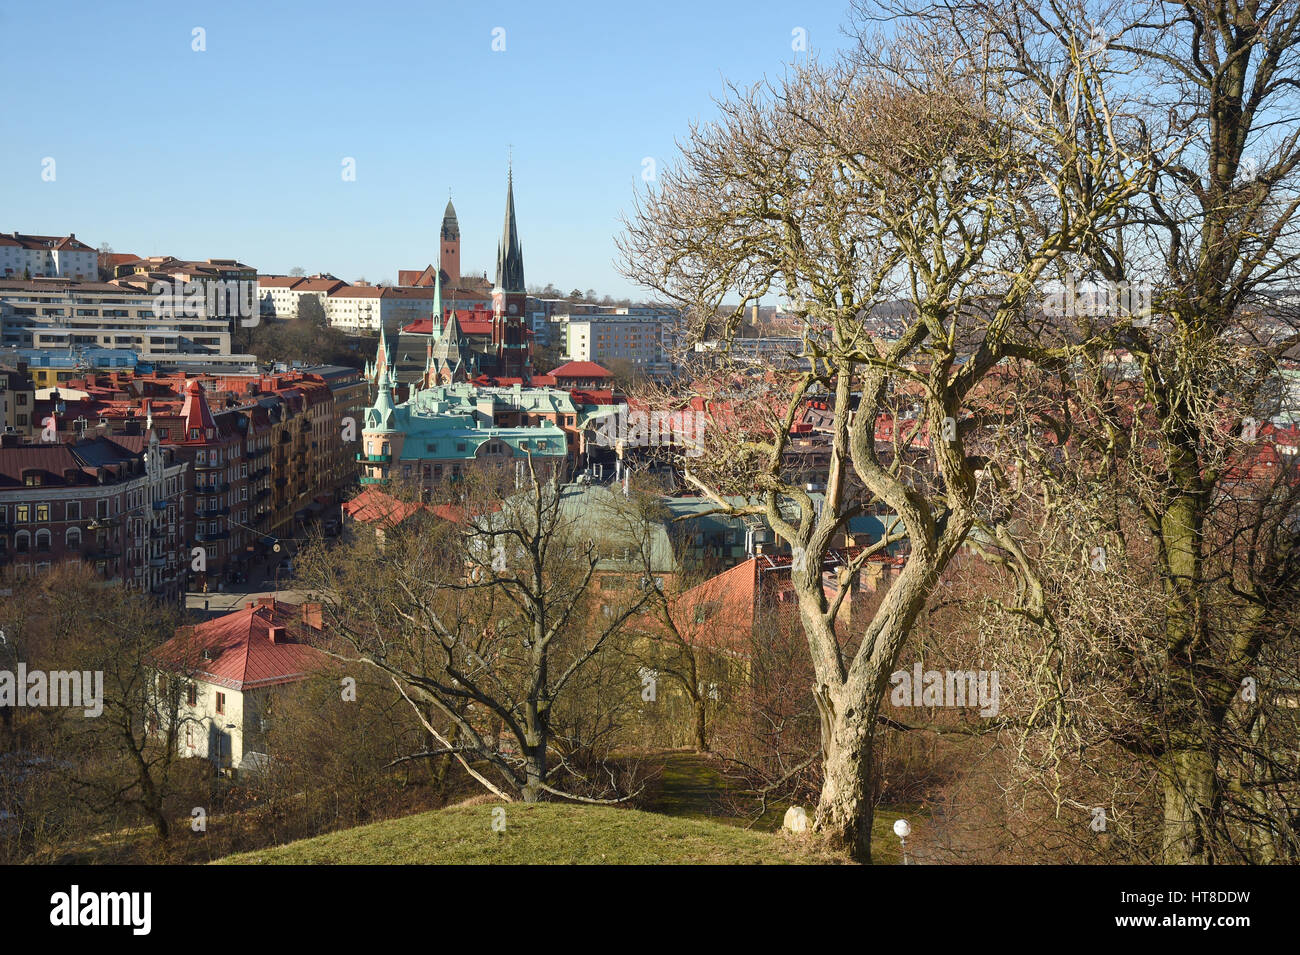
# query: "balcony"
208,537
212,489
375,458
213,512
372,480
159,505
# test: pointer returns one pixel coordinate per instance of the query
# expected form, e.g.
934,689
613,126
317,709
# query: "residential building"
17,399
280,295
66,314
118,504
47,256
231,669
643,338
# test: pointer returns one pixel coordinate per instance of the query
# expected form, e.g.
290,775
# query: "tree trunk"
1188,787
701,740
531,791
846,810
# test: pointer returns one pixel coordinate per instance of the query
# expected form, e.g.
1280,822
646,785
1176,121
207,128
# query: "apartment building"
266,453
279,295
361,309
115,504
17,400
643,337
47,256
66,314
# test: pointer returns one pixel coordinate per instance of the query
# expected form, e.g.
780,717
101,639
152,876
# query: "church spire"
437,299
510,257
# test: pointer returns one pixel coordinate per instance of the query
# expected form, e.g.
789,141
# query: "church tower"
449,248
509,341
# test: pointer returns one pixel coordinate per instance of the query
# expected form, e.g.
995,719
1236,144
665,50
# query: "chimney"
250,605
312,616
267,602
278,634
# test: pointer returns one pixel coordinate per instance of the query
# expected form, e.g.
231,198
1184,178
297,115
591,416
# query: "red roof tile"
237,650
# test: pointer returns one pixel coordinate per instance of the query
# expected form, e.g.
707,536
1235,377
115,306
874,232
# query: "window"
192,695
22,513
221,703
73,512
42,513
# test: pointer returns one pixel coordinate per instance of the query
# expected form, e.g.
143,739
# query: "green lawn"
544,834
686,824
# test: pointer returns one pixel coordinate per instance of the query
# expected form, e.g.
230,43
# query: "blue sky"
237,151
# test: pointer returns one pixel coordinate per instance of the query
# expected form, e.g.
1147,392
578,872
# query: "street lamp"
903,829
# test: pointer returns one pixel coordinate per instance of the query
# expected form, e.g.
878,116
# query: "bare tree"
908,172
487,627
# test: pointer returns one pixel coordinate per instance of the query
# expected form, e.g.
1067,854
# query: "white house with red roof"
232,666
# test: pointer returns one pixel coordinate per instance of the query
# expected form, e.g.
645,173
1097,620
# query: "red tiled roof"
236,650
580,369
61,242
374,505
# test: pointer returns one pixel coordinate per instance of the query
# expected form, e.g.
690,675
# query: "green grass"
688,824
545,834
689,788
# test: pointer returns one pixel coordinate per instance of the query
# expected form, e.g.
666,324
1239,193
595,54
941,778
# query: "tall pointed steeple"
437,303
510,256
381,354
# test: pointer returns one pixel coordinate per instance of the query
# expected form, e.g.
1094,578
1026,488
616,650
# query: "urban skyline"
576,115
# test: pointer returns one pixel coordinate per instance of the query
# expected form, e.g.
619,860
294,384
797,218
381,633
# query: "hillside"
545,833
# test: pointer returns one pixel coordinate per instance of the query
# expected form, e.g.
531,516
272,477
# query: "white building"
365,308
47,256
230,669
280,294
645,337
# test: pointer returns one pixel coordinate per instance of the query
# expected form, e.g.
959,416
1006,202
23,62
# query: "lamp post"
903,829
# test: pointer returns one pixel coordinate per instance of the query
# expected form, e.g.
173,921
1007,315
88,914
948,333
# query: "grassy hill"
544,833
